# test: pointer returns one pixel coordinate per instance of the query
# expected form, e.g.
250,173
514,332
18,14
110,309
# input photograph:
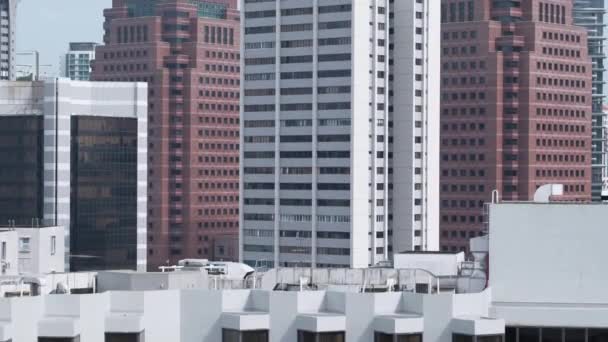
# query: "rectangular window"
124,337
53,246
230,335
307,336
24,245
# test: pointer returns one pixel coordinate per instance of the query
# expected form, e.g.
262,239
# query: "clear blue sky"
49,25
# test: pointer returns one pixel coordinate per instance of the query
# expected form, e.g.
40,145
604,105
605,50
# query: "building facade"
31,250
516,108
8,27
591,14
339,151
188,52
74,154
76,63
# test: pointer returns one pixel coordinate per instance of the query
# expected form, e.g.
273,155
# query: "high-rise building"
591,14
516,107
76,63
74,154
339,131
8,27
188,52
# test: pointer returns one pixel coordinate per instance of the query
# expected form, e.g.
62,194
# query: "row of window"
297,170
560,112
465,80
219,94
447,35
296,249
552,13
463,188
261,139
463,50
457,11
297,107
472,126
463,173
560,128
222,68
218,35
471,65
473,111
560,143
296,234
560,82
552,66
214,80
560,97
297,11
561,52
296,154
328,25
560,173
561,36
567,158
297,123
132,34
125,54
217,133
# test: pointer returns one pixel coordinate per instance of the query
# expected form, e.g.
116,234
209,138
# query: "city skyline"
303,171
65,21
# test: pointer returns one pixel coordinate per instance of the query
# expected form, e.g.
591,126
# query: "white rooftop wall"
543,253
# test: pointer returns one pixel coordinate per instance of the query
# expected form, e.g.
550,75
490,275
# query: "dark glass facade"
104,193
230,335
308,336
21,167
383,337
549,334
124,337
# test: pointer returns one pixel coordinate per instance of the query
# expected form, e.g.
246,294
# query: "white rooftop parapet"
544,193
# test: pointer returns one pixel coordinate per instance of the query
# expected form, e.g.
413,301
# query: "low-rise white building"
549,287
32,250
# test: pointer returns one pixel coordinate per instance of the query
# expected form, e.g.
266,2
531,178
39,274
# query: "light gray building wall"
319,185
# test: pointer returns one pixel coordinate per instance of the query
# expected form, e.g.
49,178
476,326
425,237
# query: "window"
53,244
479,338
124,337
382,337
59,339
24,245
307,336
229,335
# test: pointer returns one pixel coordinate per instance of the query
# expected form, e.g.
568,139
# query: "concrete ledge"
124,322
59,326
399,324
321,322
475,326
243,321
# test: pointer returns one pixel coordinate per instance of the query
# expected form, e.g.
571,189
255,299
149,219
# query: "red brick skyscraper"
516,107
188,52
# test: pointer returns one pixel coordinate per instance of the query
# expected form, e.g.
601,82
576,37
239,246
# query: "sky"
49,25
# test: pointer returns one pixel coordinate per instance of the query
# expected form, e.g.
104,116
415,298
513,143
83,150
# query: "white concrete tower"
317,133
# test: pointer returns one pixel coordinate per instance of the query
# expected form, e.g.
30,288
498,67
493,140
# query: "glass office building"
104,191
74,154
